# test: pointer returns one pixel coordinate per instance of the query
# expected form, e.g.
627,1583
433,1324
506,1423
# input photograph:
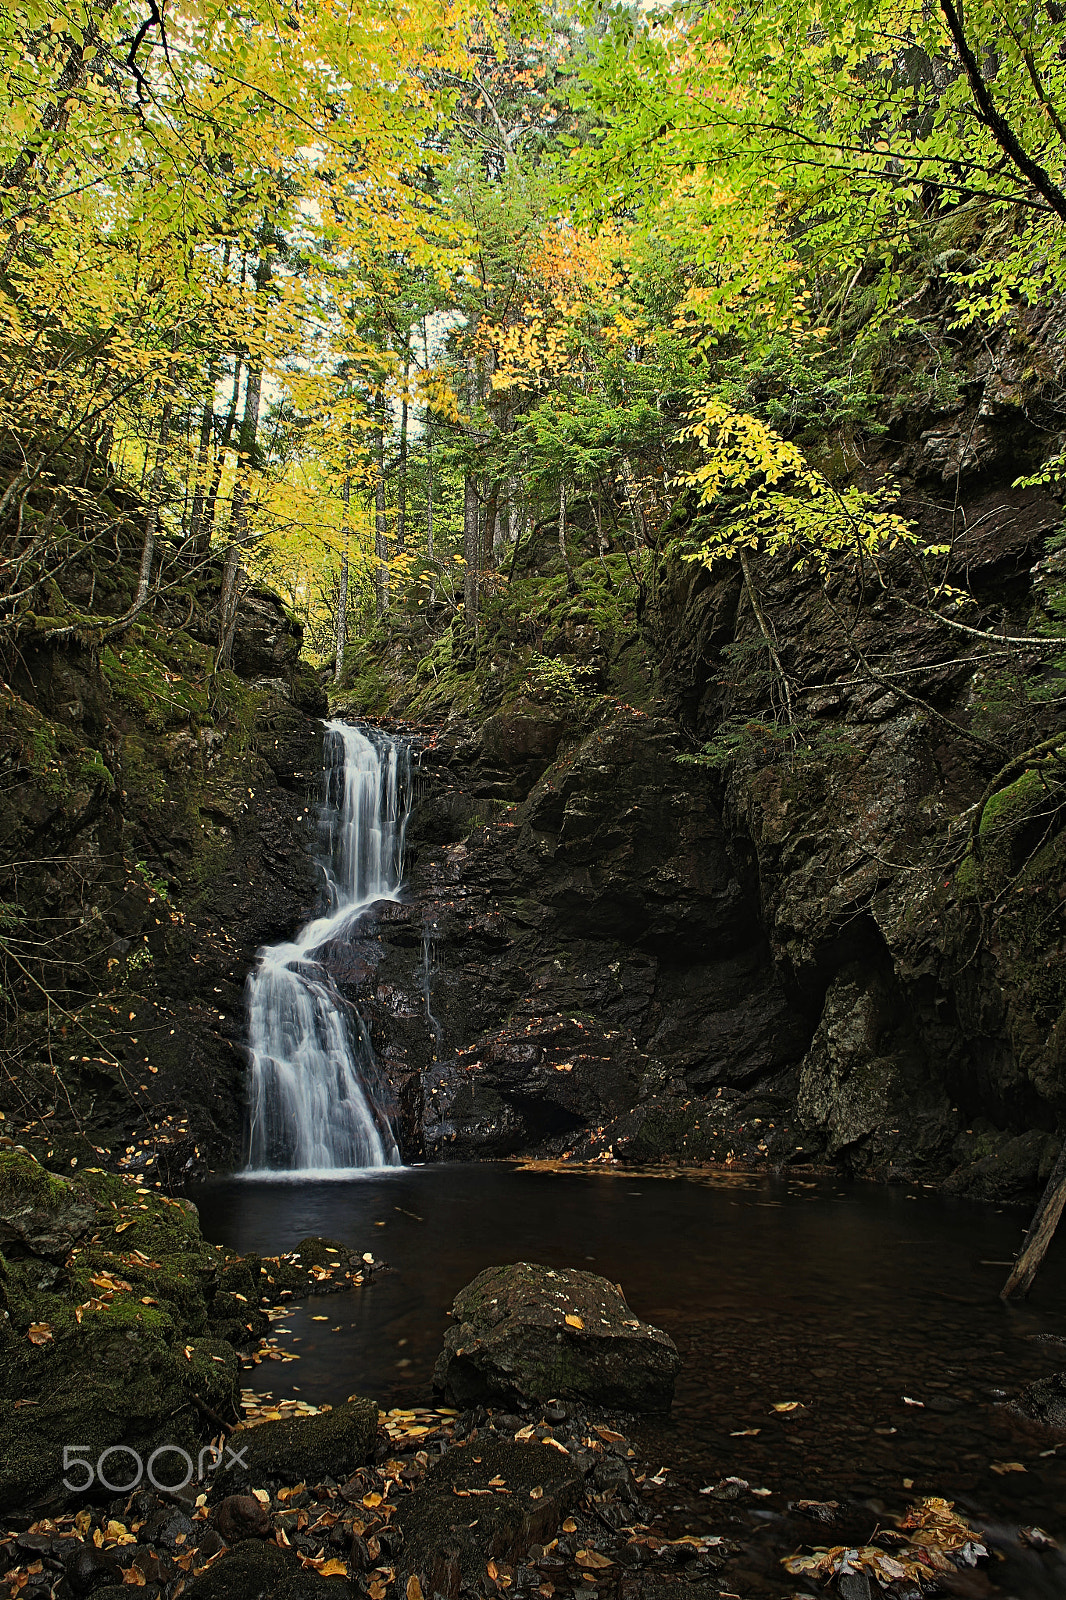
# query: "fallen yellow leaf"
574,1322
414,1588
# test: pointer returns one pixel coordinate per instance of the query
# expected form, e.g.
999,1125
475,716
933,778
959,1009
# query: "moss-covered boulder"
528,1334
40,1213
332,1444
455,1524
111,1342
258,1571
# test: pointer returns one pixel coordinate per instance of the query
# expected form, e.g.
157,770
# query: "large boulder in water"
526,1334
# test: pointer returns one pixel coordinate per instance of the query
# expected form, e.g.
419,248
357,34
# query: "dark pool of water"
851,1299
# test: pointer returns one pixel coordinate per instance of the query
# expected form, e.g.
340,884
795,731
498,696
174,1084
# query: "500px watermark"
210,1458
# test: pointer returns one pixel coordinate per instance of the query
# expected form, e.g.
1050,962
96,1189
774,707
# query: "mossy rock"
527,1334
451,1527
39,1213
261,1571
123,1375
333,1444
106,1342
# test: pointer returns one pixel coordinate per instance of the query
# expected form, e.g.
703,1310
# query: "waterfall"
313,1071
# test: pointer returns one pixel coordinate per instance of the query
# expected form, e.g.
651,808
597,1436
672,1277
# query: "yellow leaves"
573,1321
592,1560
776,501
934,1540
40,1333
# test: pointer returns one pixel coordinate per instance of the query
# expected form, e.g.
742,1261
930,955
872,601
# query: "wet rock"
864,1082
177,1533
89,1569
853,1586
1013,1172
488,1500
257,1571
306,1449
527,1333
1045,1401
241,1516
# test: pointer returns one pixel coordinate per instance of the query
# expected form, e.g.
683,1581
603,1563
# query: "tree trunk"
513,511
491,525
381,545
401,485
429,484
207,525
471,498
207,428
1040,1234
341,619
155,500
471,548
571,586
238,523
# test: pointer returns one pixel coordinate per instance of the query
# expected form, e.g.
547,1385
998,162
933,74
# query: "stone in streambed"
241,1516
89,1569
257,1571
332,1444
1045,1401
489,1500
528,1334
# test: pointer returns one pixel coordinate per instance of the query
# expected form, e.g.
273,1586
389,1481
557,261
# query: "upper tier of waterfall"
314,1103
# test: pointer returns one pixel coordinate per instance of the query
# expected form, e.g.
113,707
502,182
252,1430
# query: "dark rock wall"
589,950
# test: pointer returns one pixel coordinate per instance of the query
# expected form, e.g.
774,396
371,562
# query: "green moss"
49,752
1001,845
131,1328
24,1182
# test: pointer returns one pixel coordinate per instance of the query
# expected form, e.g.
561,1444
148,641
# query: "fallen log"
1040,1234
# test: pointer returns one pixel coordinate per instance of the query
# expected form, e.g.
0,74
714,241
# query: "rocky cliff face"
792,953
566,961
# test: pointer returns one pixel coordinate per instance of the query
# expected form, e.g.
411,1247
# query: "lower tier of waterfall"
315,1106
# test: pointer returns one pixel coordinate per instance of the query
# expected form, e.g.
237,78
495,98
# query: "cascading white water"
314,1107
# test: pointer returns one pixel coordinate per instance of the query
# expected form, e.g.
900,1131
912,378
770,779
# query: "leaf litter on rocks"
932,1539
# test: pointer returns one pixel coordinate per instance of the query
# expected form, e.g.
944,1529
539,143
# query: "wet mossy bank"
155,817
120,1325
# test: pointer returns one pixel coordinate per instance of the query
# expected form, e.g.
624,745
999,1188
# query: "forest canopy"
353,298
